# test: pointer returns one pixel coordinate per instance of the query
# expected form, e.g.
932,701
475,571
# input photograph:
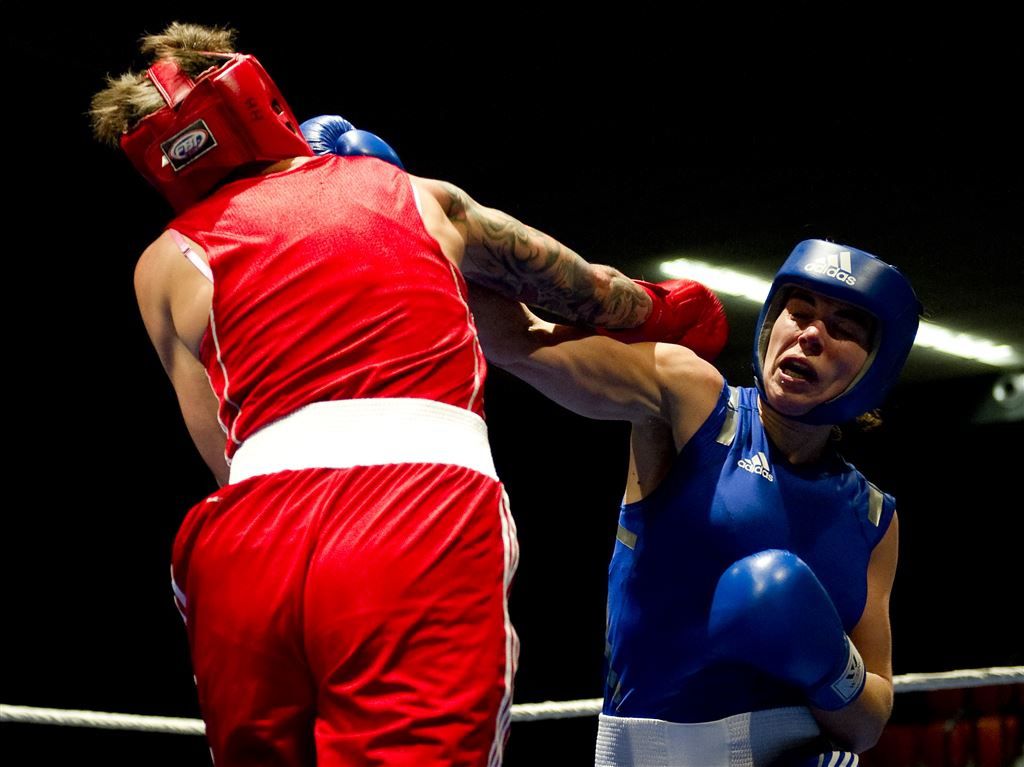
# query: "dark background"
723,135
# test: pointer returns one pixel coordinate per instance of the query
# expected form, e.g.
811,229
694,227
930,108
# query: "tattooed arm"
497,251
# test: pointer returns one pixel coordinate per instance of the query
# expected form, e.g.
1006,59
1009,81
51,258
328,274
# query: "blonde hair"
128,98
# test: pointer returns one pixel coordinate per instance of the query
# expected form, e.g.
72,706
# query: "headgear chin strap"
229,116
865,281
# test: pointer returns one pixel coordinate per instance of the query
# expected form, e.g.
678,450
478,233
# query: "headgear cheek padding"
866,282
229,116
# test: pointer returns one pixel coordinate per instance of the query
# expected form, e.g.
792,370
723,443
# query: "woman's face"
816,349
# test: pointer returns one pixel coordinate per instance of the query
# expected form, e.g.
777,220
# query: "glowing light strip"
939,338
949,341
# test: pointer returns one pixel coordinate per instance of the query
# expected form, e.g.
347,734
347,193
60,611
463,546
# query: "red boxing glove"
685,313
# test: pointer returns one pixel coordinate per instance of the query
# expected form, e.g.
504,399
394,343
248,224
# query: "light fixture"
731,282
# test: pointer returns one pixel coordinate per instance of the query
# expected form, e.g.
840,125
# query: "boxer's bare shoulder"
174,295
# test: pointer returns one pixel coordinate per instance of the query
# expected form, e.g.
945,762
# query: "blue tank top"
728,494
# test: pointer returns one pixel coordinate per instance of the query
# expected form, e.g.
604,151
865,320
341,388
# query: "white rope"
101,720
556,709
521,712
947,680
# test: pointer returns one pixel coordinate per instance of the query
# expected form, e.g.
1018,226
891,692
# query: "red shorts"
352,616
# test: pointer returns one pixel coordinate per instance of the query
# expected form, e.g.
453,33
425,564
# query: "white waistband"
366,432
745,740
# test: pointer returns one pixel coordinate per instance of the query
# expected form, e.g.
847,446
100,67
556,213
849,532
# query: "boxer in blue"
748,617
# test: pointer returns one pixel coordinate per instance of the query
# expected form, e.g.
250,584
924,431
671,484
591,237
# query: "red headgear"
229,116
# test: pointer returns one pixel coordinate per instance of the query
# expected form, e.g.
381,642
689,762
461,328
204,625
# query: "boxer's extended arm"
859,725
595,376
497,251
527,265
174,300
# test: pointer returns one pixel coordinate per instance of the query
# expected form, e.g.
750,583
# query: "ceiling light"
730,282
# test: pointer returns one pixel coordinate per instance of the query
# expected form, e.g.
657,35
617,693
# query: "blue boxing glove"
770,611
335,135
323,132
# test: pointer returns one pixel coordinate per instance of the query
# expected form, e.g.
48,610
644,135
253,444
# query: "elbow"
861,737
867,739
871,732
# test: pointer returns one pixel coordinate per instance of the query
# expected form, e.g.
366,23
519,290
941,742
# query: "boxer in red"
345,591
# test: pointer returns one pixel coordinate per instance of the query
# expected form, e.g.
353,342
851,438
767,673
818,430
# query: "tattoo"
523,263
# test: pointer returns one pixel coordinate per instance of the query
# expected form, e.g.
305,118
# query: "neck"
251,170
291,162
799,442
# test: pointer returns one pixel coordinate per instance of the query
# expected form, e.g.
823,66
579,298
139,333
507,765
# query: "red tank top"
327,286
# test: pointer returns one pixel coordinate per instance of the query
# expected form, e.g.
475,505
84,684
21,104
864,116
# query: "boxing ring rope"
521,712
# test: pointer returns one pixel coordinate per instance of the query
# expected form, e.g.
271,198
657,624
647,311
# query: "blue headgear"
865,281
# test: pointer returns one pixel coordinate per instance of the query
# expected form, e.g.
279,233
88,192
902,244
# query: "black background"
720,134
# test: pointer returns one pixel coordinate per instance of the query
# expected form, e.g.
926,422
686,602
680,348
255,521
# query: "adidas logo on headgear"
834,265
